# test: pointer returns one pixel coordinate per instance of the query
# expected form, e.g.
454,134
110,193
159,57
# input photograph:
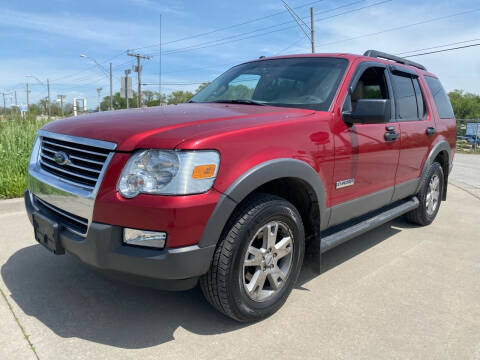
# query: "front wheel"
258,259
430,197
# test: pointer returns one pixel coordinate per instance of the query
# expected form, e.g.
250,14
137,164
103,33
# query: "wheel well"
302,196
443,159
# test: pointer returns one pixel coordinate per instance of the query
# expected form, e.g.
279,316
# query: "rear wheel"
430,197
257,261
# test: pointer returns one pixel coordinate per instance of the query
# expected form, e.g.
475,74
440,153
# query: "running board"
337,238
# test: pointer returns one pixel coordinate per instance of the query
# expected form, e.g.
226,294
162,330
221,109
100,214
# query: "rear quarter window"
440,97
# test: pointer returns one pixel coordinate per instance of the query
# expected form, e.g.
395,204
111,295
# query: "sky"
202,39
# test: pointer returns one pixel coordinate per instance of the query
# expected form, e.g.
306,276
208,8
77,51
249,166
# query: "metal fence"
468,135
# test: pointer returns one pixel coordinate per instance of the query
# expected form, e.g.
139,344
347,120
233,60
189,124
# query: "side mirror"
369,111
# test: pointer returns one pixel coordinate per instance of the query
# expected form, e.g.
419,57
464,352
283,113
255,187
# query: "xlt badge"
345,183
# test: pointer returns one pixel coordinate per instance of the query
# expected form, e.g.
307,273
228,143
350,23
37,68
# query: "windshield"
308,83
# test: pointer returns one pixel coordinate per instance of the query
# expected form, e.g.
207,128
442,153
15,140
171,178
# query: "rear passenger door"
417,128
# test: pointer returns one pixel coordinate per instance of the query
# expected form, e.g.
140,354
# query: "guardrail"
468,135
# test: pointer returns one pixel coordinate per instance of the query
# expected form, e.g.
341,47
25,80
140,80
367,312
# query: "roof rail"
379,54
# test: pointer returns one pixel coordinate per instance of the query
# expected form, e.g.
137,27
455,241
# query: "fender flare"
251,180
442,145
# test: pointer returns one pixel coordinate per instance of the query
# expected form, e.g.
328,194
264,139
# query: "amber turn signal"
204,171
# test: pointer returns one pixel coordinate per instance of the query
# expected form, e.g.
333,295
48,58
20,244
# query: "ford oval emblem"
61,158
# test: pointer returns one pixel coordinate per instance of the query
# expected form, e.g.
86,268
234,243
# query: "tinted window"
442,102
242,87
405,99
422,109
309,83
371,85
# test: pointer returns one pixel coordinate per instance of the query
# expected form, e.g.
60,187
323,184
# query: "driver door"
365,158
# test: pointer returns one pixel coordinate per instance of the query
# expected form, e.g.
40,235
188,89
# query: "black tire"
223,285
420,215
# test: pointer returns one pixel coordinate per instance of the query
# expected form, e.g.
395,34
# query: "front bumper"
103,249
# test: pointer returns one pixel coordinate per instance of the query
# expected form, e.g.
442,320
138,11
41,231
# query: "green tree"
178,97
153,98
465,105
118,102
201,87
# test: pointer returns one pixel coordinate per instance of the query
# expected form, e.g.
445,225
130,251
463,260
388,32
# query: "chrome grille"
83,166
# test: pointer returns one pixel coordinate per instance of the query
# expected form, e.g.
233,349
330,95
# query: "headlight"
168,172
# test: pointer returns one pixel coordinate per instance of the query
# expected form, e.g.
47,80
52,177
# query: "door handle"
430,131
390,128
391,136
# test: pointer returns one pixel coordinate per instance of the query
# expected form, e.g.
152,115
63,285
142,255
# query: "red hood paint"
168,126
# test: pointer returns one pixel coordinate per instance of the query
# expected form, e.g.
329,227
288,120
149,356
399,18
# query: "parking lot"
397,292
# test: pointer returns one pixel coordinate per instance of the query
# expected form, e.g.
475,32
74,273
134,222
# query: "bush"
16,141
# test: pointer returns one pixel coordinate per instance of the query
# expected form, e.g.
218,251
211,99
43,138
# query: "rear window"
442,102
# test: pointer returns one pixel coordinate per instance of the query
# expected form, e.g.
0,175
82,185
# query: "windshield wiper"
240,101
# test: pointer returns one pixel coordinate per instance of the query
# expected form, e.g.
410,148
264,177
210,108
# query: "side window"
371,85
422,108
405,99
440,97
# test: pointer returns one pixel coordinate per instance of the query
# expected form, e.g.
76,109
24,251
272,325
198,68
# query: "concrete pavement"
466,173
398,292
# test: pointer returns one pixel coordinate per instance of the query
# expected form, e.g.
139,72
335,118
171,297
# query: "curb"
11,206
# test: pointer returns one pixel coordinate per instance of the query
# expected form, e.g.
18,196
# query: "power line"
89,68
402,27
437,46
421,54
443,50
236,38
241,36
228,27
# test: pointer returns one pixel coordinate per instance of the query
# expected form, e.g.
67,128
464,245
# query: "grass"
16,141
466,148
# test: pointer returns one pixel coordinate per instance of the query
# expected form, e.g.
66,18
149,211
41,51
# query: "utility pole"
312,30
138,69
99,91
4,107
160,63
126,86
28,99
48,91
16,104
60,98
111,95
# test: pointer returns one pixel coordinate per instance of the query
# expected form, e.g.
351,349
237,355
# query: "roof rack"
379,54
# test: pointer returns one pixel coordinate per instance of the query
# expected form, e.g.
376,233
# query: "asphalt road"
398,292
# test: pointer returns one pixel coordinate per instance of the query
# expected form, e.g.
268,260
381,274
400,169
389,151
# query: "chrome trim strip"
81,159
61,212
67,172
73,148
79,140
70,163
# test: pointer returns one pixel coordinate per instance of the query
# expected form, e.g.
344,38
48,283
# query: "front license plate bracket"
47,234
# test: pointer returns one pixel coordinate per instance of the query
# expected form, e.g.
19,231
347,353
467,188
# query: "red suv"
228,190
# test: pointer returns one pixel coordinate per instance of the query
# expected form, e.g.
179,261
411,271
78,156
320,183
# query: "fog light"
146,238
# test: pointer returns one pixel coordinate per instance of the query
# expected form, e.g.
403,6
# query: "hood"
167,126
